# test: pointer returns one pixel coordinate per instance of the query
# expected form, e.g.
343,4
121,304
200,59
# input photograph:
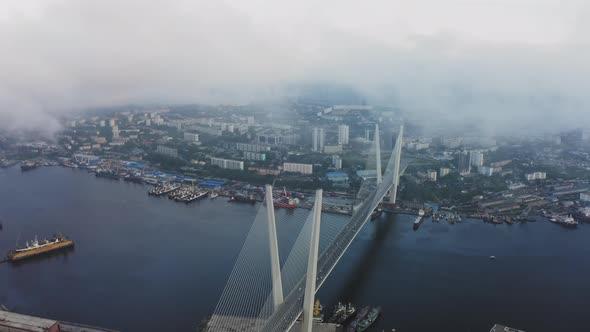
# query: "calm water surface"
148,264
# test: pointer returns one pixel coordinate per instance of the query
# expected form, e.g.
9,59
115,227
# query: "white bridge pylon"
396,165
275,264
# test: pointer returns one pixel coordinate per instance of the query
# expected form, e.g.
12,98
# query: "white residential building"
228,163
476,158
431,175
298,168
318,139
343,134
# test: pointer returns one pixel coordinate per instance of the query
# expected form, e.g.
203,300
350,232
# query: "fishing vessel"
342,313
370,319
35,248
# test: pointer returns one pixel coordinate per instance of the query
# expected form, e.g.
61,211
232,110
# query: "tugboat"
370,319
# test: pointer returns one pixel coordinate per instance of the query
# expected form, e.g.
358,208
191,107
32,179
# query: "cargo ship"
35,248
566,221
285,202
133,179
101,173
369,320
419,219
243,199
583,215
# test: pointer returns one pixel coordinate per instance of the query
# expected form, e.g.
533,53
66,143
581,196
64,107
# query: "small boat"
492,257
370,319
213,195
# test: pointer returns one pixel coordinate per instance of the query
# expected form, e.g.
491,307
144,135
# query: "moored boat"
239,198
35,248
369,320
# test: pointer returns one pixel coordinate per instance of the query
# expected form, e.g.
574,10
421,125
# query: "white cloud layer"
488,63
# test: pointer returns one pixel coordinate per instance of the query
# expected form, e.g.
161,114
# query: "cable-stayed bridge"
289,254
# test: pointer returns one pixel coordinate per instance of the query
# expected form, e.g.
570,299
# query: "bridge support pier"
396,166
277,284
312,264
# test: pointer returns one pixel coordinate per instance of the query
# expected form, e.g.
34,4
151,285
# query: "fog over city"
493,66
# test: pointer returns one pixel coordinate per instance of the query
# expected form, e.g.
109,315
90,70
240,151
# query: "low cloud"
65,55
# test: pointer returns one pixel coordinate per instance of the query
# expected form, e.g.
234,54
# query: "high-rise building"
115,132
337,162
464,164
431,175
111,122
343,132
318,139
444,171
476,158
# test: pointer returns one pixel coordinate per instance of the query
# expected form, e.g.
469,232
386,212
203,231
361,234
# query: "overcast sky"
465,61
